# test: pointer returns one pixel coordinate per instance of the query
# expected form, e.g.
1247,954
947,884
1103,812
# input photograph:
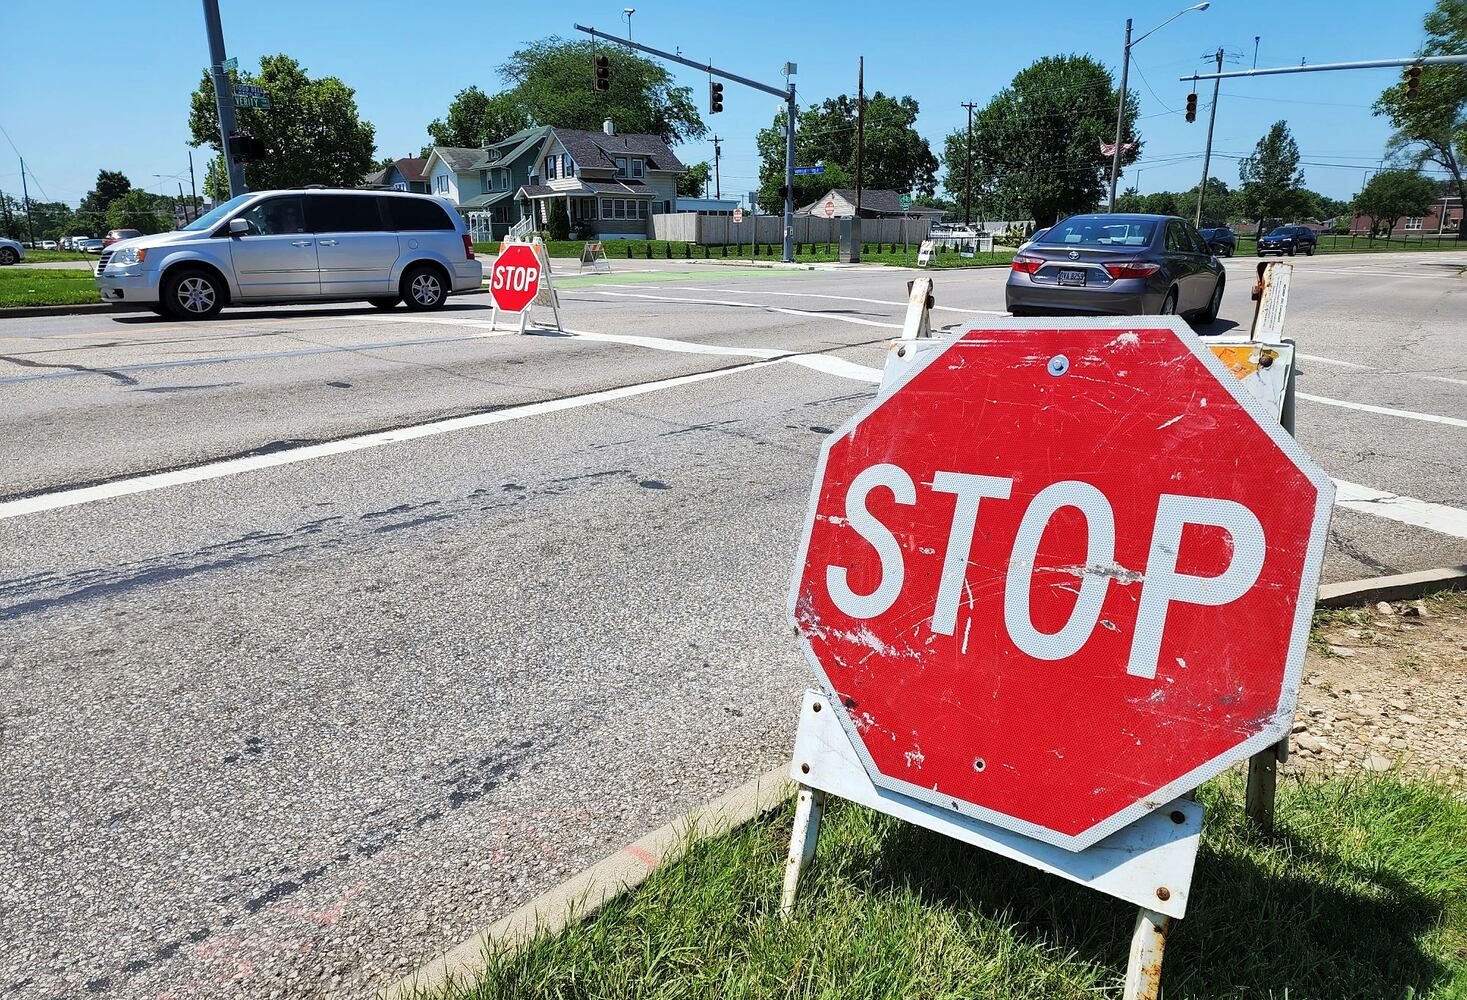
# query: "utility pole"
223,97
717,153
193,189
860,124
25,196
787,94
183,203
1207,155
1115,155
968,180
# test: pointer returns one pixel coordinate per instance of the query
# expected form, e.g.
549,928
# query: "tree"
111,185
692,183
147,213
1271,178
1217,205
312,132
551,80
1432,128
1036,144
475,118
1393,194
894,156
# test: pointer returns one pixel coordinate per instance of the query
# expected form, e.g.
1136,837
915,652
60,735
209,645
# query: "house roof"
518,143
458,158
598,151
376,178
485,200
882,201
635,189
411,167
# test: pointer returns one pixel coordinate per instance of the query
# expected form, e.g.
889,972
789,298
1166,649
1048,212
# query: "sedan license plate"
1072,276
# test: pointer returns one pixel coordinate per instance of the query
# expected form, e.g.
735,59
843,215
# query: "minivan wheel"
423,288
385,303
192,293
1168,304
8,255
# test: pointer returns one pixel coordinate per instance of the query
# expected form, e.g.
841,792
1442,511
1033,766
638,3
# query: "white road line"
1366,368
1384,410
751,305
654,343
235,466
838,298
832,365
1418,513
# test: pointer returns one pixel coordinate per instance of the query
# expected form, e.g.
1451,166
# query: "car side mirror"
238,227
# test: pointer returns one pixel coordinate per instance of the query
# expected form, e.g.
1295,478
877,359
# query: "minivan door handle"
300,243
326,243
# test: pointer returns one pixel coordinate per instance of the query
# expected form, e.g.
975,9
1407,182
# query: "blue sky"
92,85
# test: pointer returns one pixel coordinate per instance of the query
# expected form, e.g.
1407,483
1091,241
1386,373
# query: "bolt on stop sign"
1060,574
515,279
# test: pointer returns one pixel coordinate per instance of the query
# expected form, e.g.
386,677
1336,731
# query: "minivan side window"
343,213
416,215
276,216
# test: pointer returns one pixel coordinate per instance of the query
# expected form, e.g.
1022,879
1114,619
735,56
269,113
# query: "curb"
1402,587
76,309
588,891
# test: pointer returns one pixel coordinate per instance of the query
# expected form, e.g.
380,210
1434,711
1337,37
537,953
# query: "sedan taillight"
1025,264
1132,269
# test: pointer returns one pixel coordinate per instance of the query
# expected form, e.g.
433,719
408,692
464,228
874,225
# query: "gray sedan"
1126,265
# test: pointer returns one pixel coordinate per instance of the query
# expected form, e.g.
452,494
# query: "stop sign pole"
1058,574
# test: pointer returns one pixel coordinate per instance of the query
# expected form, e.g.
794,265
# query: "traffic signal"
246,148
602,65
1191,107
715,97
1413,81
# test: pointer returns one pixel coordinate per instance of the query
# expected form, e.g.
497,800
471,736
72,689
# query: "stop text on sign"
1162,583
515,279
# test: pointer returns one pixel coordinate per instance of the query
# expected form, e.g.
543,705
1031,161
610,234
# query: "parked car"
1124,265
48,244
1289,240
90,246
114,235
72,243
313,245
11,252
1221,240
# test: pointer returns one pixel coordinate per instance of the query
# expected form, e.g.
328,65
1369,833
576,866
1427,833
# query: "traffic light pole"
1207,155
786,93
1456,59
223,97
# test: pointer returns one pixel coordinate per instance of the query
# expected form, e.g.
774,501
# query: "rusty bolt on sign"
1163,893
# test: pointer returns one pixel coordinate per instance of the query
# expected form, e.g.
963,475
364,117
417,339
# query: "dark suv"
1222,241
1289,240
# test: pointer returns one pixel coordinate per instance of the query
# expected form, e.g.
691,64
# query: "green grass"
52,256
1248,245
25,286
1362,893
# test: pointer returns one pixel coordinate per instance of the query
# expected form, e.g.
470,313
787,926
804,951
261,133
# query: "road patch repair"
1022,650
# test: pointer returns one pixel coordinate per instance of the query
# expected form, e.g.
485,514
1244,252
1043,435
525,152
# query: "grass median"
56,256
1362,893
28,286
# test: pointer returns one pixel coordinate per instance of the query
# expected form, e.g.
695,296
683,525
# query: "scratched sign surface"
1061,575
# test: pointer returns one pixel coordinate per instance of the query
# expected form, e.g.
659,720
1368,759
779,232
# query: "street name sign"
810,170
1059,574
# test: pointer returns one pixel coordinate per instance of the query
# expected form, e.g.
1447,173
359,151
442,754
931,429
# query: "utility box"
850,240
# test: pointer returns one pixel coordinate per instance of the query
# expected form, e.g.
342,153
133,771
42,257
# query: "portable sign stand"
595,255
924,253
544,294
1147,862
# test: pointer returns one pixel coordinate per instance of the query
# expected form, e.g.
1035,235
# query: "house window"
567,167
440,183
550,168
606,208
641,209
485,184
621,166
1413,224
636,168
399,186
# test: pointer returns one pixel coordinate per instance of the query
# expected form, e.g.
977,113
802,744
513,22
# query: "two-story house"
503,168
611,184
451,172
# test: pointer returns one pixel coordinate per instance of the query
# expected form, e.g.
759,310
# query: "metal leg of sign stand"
809,809
1262,781
524,316
1148,943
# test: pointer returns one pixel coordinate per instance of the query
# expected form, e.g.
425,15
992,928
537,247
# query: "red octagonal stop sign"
516,277
1061,574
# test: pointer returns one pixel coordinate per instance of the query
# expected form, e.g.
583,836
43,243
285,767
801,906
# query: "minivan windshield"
217,214
1090,231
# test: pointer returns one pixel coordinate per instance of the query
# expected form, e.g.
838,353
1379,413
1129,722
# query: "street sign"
248,101
1060,573
231,64
906,201
820,169
830,209
515,279
738,215
249,89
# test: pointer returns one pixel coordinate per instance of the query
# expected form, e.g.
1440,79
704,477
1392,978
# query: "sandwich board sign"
1045,601
924,253
595,255
520,278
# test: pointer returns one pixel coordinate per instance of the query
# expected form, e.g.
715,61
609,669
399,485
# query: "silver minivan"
308,245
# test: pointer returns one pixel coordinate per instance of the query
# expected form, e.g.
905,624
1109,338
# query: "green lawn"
26,286
1361,894
51,256
1248,245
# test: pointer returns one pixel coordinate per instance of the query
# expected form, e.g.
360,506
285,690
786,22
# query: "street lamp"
1115,156
627,12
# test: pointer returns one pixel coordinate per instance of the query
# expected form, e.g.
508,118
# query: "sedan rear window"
416,214
1093,232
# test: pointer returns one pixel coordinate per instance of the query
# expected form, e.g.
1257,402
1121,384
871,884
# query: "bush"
558,222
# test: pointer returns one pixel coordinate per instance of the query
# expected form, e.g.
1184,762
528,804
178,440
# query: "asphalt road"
291,724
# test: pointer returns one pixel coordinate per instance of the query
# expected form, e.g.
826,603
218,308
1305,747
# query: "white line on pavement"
1384,410
752,305
1366,368
654,343
1418,513
832,365
838,298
